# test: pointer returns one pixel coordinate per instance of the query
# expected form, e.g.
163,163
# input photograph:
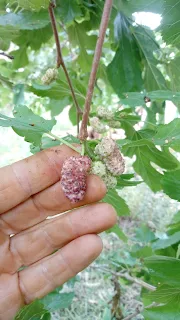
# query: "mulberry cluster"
108,151
74,177
96,124
104,113
99,168
50,76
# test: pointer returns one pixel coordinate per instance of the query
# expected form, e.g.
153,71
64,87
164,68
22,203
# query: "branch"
6,55
138,311
129,278
60,60
133,315
97,56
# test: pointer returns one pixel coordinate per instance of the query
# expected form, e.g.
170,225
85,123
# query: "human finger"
44,276
41,240
29,176
48,202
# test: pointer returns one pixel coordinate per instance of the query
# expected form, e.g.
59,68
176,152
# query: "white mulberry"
73,177
50,76
98,168
109,153
104,113
114,124
105,147
96,124
115,162
110,181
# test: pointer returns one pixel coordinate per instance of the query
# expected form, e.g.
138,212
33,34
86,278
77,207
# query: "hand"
30,191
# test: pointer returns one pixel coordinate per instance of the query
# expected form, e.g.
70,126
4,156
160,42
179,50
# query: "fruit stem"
63,141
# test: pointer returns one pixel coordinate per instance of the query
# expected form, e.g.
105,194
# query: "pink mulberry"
74,175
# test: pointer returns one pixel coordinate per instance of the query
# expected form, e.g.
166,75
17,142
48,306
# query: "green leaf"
55,300
33,4
141,252
167,312
164,270
25,20
171,184
165,243
26,124
124,72
69,10
132,6
32,311
60,90
146,153
18,94
164,294
107,314
134,99
154,79
121,183
20,58
57,106
168,134
47,142
170,24
118,232
144,234
117,202
79,39
73,115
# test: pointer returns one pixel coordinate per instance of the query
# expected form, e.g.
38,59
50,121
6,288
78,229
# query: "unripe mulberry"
98,168
97,125
114,124
110,181
74,177
109,153
105,147
105,113
115,162
50,76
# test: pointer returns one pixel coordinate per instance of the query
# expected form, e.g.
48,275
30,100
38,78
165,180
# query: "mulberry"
98,168
114,124
109,153
74,177
105,113
50,76
105,147
96,124
110,181
115,162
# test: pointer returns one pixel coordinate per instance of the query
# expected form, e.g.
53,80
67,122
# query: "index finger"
27,177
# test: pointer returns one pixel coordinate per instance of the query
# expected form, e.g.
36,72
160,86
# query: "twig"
60,60
6,55
97,55
116,309
138,311
128,277
133,315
